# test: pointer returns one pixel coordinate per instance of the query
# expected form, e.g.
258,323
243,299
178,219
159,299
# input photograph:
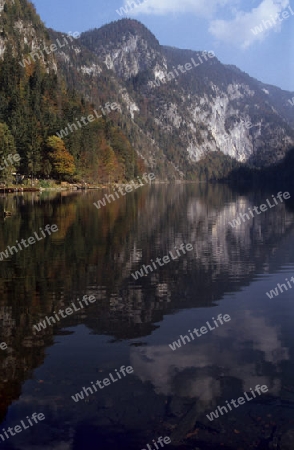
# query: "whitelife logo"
263,208
11,160
170,76
199,333
274,292
166,440
73,127
18,429
165,259
53,48
128,188
68,312
129,6
215,414
102,384
31,240
267,23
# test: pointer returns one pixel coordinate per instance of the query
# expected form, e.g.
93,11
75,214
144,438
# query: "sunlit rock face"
200,110
175,117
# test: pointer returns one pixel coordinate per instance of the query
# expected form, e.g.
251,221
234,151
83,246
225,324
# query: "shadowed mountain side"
279,175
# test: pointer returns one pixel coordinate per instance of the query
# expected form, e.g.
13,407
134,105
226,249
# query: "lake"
136,322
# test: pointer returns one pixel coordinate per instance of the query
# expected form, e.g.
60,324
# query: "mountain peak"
118,30
125,46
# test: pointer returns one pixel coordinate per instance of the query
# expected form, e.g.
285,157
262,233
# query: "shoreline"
77,188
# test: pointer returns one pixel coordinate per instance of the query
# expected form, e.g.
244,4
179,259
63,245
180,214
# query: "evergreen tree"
7,147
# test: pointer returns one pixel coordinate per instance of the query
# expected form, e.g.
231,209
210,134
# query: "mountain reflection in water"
133,322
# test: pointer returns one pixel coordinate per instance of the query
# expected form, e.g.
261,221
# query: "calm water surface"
133,322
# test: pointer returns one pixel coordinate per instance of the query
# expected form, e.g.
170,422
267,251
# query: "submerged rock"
287,440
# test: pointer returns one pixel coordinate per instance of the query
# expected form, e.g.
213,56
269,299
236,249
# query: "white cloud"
188,371
235,31
239,30
201,8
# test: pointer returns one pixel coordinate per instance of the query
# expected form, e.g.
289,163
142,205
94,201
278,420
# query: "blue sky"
223,26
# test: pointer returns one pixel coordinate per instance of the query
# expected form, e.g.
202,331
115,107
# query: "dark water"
133,322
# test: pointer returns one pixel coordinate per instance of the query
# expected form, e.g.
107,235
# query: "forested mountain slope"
181,114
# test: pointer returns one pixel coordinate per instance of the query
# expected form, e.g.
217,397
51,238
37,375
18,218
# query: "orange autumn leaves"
107,159
110,169
61,160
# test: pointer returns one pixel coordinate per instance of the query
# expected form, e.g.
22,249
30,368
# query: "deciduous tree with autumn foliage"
62,161
36,102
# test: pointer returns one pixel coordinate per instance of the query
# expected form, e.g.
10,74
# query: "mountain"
181,114
200,110
38,104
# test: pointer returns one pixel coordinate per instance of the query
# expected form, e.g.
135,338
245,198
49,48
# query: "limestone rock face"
178,106
211,107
